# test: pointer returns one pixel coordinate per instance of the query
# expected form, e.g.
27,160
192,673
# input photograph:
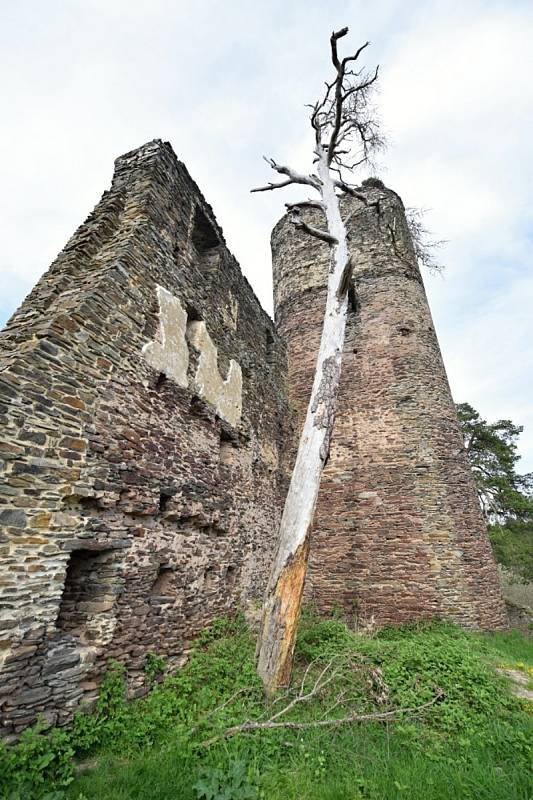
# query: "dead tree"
346,135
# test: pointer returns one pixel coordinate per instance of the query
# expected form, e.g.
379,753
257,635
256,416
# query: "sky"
83,81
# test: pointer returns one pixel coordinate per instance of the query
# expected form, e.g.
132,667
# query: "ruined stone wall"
142,412
146,441
398,532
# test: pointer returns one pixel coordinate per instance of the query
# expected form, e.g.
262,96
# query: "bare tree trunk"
284,593
345,135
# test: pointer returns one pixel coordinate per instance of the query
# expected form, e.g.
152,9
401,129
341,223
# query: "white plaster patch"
169,352
225,395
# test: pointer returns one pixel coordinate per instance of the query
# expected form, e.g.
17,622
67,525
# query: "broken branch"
380,716
344,187
271,186
292,177
340,94
345,280
300,224
214,711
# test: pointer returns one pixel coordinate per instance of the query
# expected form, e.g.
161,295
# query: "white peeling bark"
283,597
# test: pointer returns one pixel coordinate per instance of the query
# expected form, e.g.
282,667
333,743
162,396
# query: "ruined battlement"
141,491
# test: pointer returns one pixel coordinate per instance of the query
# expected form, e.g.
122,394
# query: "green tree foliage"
512,544
491,448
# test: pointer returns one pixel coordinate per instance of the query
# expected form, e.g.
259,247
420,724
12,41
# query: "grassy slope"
472,744
513,547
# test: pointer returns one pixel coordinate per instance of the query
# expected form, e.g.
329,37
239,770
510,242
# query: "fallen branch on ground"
381,716
331,671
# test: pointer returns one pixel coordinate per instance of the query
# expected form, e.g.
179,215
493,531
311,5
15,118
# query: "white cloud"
457,99
226,82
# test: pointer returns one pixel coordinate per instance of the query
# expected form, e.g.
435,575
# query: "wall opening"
210,578
160,381
228,452
204,235
404,330
88,591
165,583
231,576
165,494
193,315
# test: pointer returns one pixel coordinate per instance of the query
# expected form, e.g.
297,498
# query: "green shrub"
472,743
155,665
513,547
230,784
37,763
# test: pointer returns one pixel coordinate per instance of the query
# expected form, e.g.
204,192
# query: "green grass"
510,645
472,743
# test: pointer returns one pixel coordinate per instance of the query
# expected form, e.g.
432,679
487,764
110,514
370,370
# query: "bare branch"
214,711
306,673
356,56
340,111
322,680
335,722
337,702
345,108
344,187
318,109
271,186
360,86
300,224
424,246
335,36
292,177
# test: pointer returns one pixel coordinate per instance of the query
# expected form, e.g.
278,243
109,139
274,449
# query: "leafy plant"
37,763
155,665
474,743
512,544
230,784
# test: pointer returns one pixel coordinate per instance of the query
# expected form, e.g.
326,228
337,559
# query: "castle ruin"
150,412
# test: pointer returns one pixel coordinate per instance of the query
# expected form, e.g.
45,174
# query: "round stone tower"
398,531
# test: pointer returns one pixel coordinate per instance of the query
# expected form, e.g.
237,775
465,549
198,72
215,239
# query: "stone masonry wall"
146,439
141,488
398,532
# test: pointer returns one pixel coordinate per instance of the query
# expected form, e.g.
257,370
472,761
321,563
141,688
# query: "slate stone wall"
398,532
131,513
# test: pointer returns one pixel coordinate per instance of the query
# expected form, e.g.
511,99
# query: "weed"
154,667
473,744
230,784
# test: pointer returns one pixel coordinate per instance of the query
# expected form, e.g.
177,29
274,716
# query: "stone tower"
398,531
